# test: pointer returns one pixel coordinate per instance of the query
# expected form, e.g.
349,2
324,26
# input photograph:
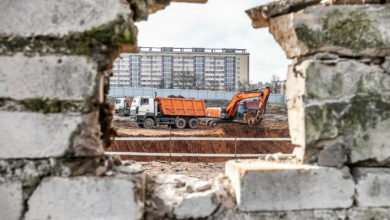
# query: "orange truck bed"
182,107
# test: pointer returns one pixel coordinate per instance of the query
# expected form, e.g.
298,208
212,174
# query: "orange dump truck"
175,112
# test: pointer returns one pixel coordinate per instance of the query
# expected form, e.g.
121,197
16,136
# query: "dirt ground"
274,124
200,170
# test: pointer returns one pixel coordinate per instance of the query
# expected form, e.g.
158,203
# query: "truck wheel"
121,112
193,123
180,123
148,123
213,124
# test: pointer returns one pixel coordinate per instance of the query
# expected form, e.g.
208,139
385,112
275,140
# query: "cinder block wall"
338,97
55,58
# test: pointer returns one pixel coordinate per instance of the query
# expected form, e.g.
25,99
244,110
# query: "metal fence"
196,94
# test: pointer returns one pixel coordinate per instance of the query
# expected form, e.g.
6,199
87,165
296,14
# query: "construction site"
273,125
193,157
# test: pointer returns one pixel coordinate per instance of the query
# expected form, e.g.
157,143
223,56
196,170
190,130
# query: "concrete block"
264,186
11,202
260,15
58,18
319,214
47,77
373,187
369,213
197,205
35,135
86,198
340,99
356,2
323,29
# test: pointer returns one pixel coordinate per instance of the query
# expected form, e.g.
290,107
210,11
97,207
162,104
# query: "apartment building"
185,68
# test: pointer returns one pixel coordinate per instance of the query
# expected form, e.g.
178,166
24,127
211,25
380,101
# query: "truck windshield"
117,101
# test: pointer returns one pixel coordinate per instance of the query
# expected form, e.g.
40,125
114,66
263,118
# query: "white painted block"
41,17
11,202
47,77
264,186
85,198
373,187
35,135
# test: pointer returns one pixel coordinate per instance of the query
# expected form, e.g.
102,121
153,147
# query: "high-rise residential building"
185,68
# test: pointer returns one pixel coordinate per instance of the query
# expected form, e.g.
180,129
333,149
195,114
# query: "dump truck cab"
175,112
119,104
122,106
142,107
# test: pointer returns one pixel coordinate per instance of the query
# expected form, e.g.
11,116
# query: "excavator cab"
231,109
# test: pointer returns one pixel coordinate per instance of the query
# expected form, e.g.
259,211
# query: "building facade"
183,68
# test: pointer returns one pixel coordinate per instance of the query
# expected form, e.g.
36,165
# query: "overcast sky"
216,24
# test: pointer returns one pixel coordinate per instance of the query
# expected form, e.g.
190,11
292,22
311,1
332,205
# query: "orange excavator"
231,110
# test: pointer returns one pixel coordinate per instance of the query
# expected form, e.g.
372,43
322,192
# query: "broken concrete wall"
338,84
55,60
55,122
338,107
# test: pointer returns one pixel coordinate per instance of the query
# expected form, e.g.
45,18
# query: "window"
144,101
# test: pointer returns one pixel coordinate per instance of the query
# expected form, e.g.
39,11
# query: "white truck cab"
119,104
142,105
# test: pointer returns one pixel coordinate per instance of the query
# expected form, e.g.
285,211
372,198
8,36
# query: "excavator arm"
231,109
262,105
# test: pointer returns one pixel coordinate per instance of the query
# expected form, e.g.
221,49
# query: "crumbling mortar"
101,43
45,106
313,55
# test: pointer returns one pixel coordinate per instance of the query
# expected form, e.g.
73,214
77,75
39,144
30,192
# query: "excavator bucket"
253,118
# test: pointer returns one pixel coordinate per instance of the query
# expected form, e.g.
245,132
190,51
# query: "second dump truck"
148,112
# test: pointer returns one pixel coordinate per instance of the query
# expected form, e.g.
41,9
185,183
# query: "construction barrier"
187,93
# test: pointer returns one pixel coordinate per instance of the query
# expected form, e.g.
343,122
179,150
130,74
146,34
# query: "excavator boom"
231,109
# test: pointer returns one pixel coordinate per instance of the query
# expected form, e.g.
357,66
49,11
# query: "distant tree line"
276,85
190,80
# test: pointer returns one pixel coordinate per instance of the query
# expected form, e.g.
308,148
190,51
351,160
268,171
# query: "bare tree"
276,86
184,80
161,85
242,86
198,82
212,85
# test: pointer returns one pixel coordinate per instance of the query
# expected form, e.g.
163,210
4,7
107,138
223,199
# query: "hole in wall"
193,51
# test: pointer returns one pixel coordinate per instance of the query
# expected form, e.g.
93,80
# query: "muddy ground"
274,124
